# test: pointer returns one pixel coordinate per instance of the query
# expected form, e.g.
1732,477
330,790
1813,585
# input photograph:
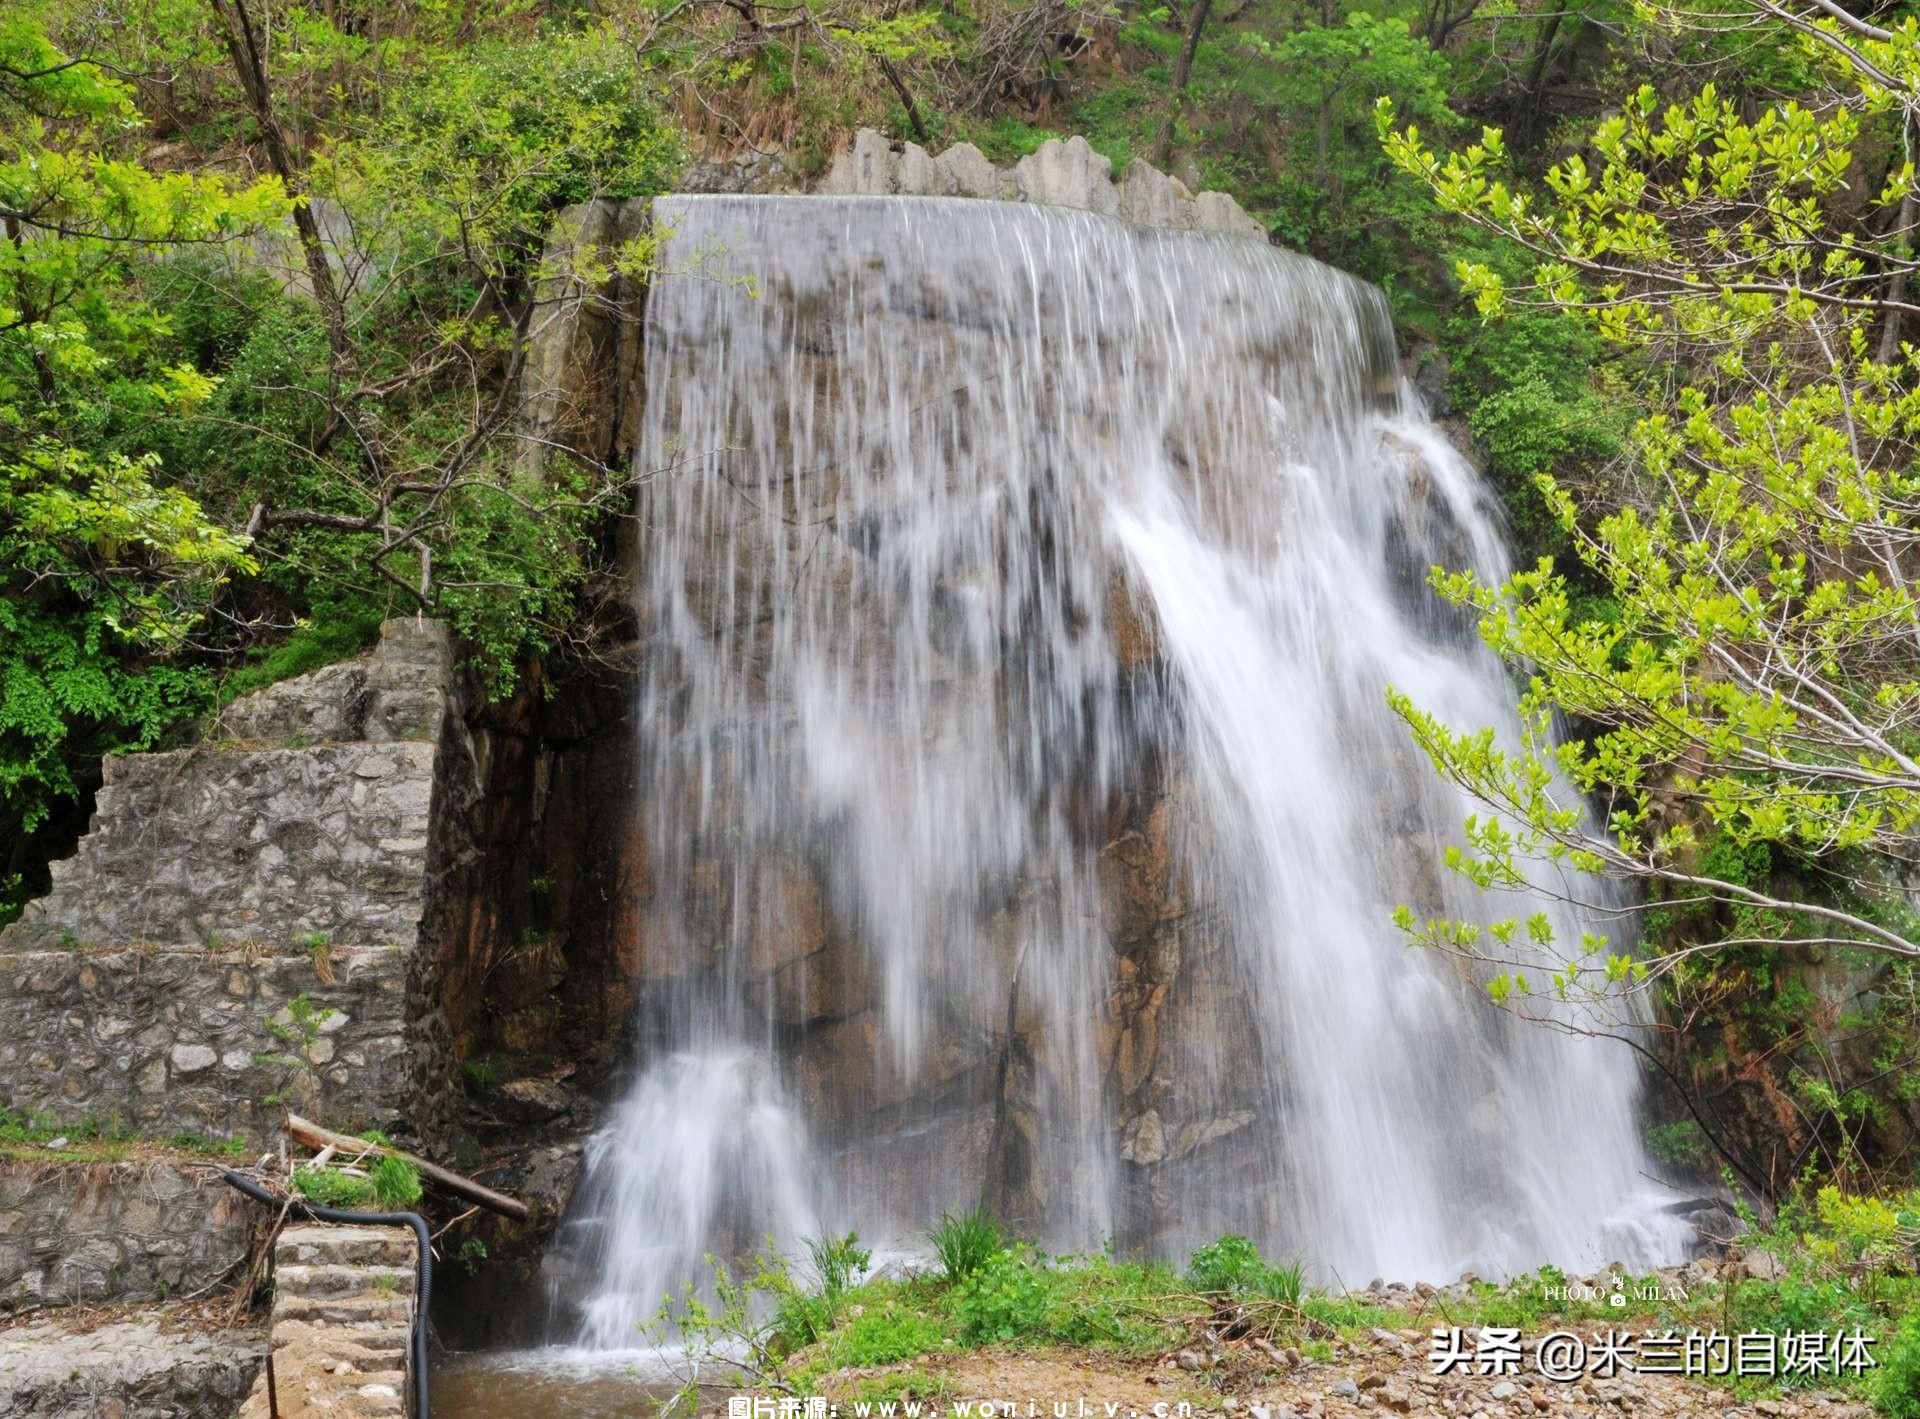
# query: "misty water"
924,475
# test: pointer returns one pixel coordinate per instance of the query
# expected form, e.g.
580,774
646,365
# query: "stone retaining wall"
308,818
261,847
164,1363
235,932
179,1039
74,1232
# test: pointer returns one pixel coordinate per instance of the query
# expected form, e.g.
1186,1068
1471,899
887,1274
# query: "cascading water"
1024,816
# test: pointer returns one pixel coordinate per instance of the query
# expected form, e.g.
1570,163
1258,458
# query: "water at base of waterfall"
967,530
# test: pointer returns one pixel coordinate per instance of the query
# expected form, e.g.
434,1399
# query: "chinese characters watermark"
1564,1356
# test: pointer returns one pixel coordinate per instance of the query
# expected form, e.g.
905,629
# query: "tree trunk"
1182,68
251,69
1897,283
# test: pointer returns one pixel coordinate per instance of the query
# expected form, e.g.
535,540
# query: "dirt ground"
1385,1373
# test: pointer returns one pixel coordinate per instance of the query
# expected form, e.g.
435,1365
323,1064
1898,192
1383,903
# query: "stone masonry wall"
243,840
177,1040
164,1363
73,1232
286,856
212,847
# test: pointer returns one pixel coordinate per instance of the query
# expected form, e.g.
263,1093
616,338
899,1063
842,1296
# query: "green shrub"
395,1182
1102,1303
1002,1300
1228,1265
1233,1266
391,1183
1284,1283
1896,1384
965,1242
839,1262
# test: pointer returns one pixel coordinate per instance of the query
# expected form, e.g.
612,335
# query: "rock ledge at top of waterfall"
1059,173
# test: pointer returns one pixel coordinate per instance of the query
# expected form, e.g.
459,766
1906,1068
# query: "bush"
839,1262
324,1187
1234,1266
965,1242
1002,1300
1223,1267
395,1182
1896,1384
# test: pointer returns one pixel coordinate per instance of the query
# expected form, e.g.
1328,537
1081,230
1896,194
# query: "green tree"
1754,685
105,570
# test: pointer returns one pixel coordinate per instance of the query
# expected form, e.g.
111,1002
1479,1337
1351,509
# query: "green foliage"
966,1241
479,150
1738,693
1228,1265
106,567
1681,1145
329,1187
395,1182
884,1335
839,1262
385,1182
1003,1299
1233,1266
298,1032
1896,1385
336,630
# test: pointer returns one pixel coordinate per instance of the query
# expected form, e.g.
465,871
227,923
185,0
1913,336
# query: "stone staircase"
342,1316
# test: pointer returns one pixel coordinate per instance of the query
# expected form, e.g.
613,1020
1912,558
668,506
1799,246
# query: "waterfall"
1022,813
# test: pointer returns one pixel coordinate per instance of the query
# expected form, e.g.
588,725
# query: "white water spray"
934,474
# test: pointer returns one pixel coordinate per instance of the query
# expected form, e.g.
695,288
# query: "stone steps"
343,1302
329,1244
319,1282
356,1311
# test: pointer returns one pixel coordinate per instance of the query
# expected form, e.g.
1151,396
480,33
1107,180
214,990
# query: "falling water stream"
975,537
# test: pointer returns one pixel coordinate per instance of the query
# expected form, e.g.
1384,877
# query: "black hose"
423,1282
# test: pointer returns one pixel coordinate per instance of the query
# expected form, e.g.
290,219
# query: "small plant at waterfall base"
1896,1385
965,1242
1233,1266
839,1262
732,1331
1003,1300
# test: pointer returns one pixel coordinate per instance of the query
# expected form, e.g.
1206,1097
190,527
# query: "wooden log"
314,1136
